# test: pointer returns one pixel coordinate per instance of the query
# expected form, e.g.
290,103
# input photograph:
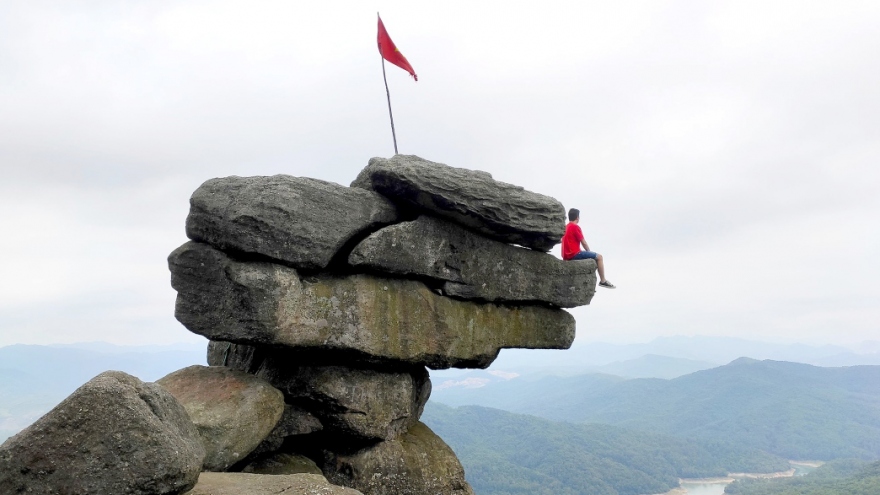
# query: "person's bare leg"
600,263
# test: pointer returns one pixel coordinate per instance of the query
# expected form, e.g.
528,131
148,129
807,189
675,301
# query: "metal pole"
388,94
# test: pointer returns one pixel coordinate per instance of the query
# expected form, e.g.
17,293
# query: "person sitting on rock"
571,247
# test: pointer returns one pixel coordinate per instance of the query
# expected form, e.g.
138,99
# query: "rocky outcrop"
233,411
470,266
298,221
471,198
401,320
256,484
325,305
418,462
115,434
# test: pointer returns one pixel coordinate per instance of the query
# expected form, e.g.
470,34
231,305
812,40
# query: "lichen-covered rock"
471,198
263,484
233,411
115,434
298,221
403,320
474,267
417,463
283,463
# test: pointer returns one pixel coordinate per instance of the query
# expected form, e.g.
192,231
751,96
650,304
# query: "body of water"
717,487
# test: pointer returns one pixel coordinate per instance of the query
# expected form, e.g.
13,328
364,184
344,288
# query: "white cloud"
724,154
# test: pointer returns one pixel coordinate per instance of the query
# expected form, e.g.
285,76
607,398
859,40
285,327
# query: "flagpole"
388,94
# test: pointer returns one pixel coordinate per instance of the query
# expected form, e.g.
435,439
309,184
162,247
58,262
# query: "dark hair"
573,214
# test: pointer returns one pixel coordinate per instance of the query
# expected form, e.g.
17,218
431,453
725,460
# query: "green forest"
792,410
843,477
514,454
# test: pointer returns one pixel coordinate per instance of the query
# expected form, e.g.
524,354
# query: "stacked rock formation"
340,297
324,306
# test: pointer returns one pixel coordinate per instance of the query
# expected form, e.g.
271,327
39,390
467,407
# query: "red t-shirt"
571,241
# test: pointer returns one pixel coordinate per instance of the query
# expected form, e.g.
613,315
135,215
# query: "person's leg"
600,264
584,255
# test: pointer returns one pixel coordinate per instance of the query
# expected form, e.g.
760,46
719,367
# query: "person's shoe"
607,285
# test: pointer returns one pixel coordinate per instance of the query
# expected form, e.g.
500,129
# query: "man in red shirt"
571,247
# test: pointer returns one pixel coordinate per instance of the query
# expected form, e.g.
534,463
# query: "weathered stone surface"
474,267
299,221
403,320
368,404
115,434
417,463
294,421
471,198
233,411
261,484
283,463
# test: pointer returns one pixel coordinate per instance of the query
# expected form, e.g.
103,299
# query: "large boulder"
298,221
262,484
115,434
384,319
474,267
368,404
233,411
417,463
471,198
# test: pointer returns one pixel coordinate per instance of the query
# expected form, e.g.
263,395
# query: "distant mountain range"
794,410
586,357
513,454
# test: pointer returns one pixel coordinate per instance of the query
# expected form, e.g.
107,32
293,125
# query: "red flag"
391,53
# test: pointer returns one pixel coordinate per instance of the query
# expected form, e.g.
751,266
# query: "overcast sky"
724,155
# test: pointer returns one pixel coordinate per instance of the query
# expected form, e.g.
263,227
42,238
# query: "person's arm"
584,244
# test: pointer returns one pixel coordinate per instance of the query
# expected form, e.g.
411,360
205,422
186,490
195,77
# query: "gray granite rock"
298,221
471,198
383,319
417,463
264,484
294,421
474,267
115,434
233,411
363,403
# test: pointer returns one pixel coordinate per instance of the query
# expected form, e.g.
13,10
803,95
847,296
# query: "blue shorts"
584,255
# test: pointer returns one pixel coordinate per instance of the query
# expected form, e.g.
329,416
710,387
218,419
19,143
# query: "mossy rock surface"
387,319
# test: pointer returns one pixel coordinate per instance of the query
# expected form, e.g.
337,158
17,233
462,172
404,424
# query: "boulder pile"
325,305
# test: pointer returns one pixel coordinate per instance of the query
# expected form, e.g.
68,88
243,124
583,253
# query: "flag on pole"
391,53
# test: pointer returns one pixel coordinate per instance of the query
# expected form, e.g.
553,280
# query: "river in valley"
716,486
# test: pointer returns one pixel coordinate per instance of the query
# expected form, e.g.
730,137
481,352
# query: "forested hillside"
835,478
505,453
793,410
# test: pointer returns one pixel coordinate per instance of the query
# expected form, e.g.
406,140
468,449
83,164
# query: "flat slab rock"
232,410
471,198
470,266
367,404
403,320
266,484
114,434
298,221
417,463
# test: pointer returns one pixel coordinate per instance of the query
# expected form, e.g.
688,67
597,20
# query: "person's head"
574,215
